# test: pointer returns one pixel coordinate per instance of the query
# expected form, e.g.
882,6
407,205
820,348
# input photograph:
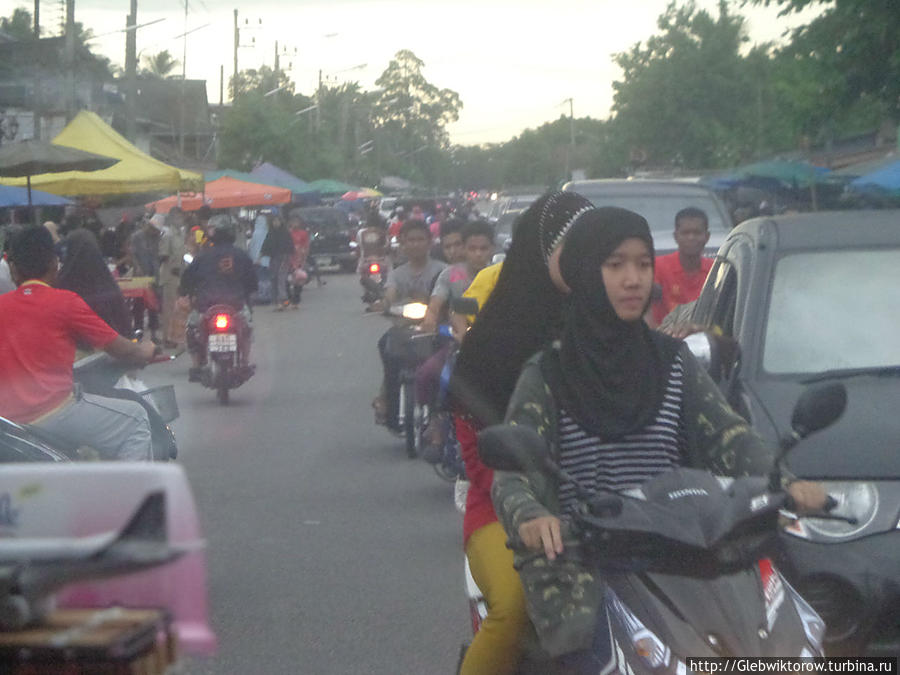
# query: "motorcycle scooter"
223,340
373,277
101,374
685,557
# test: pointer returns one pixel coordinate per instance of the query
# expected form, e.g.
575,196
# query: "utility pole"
237,43
36,101
183,82
570,153
131,74
70,60
276,63
221,85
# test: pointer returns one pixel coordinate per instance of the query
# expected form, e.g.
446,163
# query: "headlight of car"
855,499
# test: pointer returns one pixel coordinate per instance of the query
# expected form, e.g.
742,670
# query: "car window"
716,304
660,210
833,310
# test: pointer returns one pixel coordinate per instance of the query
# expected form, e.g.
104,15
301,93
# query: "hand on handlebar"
542,533
807,496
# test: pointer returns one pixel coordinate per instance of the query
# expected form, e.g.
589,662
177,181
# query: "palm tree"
160,65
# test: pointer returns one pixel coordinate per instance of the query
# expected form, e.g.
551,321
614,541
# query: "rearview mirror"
464,305
818,407
507,447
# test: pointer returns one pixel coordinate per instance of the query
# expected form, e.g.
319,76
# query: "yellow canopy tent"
137,172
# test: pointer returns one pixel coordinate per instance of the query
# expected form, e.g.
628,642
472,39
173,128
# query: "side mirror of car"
508,447
719,355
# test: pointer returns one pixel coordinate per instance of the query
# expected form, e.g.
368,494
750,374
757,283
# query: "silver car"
658,201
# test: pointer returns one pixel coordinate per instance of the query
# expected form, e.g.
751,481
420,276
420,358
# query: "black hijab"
85,272
522,315
609,375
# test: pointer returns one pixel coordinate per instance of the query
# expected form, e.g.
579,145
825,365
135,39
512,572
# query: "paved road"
328,550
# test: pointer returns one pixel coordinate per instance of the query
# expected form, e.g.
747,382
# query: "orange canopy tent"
225,193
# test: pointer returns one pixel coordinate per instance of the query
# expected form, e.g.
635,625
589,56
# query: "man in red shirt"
38,334
680,275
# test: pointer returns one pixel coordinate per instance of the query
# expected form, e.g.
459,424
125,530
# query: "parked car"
503,230
507,202
814,298
332,237
658,201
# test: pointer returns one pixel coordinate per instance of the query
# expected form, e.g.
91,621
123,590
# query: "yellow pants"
496,647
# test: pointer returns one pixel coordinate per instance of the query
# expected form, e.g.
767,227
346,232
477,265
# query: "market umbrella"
32,157
225,193
18,196
362,193
331,187
887,178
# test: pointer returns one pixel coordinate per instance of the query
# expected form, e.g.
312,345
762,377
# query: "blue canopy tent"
886,179
18,196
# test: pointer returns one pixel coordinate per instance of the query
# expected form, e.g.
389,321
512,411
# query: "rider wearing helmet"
220,274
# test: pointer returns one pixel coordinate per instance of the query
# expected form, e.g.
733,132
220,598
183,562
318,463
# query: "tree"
262,81
19,26
160,64
683,99
854,42
410,111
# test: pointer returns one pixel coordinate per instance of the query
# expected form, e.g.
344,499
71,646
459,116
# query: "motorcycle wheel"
221,382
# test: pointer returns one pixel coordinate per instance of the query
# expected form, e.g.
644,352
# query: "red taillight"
222,321
374,268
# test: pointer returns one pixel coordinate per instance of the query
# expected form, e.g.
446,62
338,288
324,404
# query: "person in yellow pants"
498,645
520,310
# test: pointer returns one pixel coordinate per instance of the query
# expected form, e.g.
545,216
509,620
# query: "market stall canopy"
777,171
137,172
361,193
272,175
225,193
16,196
887,178
31,157
331,187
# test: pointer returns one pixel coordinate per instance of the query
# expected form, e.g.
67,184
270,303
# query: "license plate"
223,343
324,260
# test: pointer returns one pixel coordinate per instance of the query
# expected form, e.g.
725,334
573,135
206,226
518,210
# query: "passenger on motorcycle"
522,315
617,404
449,246
219,274
37,350
410,282
478,247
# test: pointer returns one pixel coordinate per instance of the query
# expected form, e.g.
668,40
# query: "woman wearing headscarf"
617,404
85,272
279,246
521,315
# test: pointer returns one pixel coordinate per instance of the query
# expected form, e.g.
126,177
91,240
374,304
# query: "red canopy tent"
225,193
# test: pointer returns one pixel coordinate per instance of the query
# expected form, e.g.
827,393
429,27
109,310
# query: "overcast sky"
513,62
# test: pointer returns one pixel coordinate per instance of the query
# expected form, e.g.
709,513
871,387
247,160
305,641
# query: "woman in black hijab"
617,404
85,272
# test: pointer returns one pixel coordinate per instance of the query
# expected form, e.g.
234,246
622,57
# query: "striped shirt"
629,461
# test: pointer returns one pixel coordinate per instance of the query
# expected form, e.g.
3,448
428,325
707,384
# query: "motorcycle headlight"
644,641
855,499
414,311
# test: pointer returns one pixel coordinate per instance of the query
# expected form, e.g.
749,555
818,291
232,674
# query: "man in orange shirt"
680,275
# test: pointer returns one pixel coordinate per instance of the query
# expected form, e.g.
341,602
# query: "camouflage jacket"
563,595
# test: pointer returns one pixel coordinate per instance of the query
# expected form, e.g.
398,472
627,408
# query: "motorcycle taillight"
221,321
374,268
